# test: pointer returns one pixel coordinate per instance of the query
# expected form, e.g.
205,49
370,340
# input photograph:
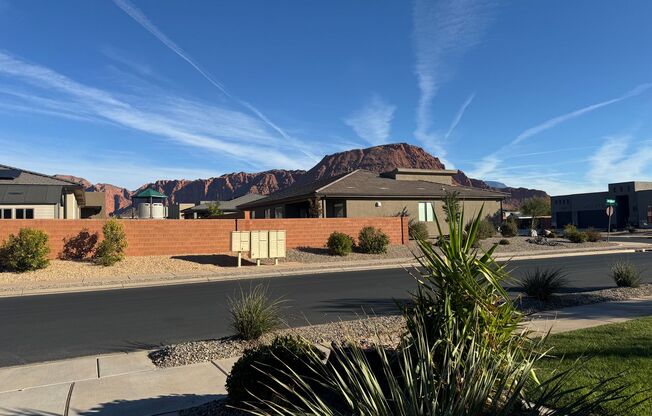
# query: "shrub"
575,236
593,235
253,314
339,244
25,252
372,241
418,230
485,229
631,229
112,249
509,229
541,284
256,368
625,274
552,234
504,242
80,246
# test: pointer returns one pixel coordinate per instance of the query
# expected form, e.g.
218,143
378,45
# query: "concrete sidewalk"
129,384
587,316
119,384
111,283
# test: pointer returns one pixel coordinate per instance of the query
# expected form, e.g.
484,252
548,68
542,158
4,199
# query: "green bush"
253,314
541,284
575,236
593,235
372,241
625,274
112,248
509,229
339,244
504,242
418,230
486,229
552,234
258,366
25,252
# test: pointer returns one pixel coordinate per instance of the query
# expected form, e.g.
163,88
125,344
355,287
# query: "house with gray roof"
31,195
417,193
229,208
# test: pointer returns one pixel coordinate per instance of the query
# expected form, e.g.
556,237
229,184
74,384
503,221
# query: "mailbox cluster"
259,244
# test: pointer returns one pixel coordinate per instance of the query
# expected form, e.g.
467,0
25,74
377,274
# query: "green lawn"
613,348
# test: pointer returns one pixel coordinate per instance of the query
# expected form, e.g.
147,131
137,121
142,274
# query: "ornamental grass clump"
625,274
418,230
111,249
543,283
25,252
253,313
464,352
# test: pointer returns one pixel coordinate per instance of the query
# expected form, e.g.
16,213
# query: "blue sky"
554,95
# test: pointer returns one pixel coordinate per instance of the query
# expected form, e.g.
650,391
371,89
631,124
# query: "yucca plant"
543,283
464,353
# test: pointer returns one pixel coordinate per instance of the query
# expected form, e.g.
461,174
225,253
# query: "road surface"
50,327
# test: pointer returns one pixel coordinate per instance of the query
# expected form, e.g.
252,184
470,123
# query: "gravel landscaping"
520,244
320,255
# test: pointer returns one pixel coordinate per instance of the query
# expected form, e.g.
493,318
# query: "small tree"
112,249
314,209
536,207
26,251
214,210
451,205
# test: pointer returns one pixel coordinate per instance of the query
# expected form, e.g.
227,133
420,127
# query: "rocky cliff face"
376,159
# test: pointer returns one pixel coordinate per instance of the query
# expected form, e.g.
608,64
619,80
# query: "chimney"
445,177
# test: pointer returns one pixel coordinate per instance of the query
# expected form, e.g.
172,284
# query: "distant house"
31,195
229,208
416,193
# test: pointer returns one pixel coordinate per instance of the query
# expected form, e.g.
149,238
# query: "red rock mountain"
377,159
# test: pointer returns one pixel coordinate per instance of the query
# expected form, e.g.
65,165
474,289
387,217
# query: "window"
20,213
268,213
649,214
338,209
6,214
278,212
426,213
29,213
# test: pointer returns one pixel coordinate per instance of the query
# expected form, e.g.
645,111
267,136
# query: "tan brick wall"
178,237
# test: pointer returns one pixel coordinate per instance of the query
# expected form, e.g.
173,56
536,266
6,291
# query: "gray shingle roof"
14,176
363,183
230,205
30,194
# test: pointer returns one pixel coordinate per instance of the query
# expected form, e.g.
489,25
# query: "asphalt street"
50,327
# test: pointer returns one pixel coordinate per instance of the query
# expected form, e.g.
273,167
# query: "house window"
20,213
29,213
278,212
6,214
268,213
338,209
24,213
426,213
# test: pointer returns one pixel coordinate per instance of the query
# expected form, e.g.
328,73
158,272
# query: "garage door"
594,218
564,218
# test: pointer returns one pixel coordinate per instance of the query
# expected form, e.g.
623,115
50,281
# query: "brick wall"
313,232
176,237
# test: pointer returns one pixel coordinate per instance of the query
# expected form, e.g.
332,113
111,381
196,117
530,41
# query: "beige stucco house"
417,193
31,195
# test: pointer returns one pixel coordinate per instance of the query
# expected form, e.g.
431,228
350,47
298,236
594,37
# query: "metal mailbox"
276,244
259,245
240,241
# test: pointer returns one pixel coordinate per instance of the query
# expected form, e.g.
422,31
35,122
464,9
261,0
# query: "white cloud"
458,116
219,130
620,159
148,25
443,32
373,122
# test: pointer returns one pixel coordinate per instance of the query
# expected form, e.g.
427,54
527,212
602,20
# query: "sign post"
611,203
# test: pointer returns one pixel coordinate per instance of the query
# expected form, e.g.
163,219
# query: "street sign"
610,211
611,201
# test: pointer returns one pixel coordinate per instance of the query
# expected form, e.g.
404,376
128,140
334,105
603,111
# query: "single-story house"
229,208
416,193
31,195
633,206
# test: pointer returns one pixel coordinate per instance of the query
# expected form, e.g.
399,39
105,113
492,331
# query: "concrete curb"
407,262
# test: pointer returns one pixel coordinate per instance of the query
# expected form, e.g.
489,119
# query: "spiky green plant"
543,283
253,313
464,353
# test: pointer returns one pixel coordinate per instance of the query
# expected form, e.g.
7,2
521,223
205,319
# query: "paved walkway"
129,384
